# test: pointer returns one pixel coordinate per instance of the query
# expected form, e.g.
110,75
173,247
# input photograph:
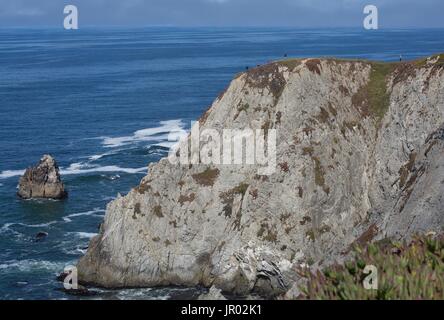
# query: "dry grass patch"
206,178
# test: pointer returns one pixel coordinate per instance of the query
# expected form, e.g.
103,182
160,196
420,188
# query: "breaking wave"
11,173
79,168
83,235
94,212
159,137
32,265
159,134
82,168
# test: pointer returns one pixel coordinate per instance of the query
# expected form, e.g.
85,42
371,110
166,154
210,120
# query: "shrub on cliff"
407,271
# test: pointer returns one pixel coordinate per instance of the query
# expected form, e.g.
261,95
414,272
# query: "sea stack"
42,181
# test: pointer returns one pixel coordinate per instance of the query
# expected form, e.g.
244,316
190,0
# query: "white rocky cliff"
359,157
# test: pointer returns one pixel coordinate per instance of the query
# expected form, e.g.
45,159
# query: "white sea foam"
74,170
96,157
160,133
83,235
32,265
167,144
110,142
7,226
86,213
171,129
75,251
11,173
41,225
8,230
136,294
77,168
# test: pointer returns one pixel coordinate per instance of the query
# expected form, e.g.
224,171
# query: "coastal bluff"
359,148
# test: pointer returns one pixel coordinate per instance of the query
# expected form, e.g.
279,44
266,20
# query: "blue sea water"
103,101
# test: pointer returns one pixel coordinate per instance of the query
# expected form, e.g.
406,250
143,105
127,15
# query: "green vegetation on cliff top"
373,99
406,271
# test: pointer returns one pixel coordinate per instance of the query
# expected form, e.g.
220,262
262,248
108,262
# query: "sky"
223,13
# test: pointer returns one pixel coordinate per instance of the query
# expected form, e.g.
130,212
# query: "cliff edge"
359,149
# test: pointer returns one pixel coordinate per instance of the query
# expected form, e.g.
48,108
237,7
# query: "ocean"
103,102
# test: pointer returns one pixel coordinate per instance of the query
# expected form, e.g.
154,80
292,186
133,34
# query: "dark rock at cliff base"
80,291
62,276
42,181
212,294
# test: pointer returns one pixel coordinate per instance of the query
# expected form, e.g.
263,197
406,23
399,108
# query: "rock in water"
40,236
42,181
80,291
62,276
358,158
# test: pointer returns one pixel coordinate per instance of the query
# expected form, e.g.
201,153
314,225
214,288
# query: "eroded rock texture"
359,157
42,181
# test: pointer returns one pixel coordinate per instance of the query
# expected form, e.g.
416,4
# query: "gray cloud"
297,13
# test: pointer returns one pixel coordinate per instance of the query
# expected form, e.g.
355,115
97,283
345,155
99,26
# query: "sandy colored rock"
212,294
42,181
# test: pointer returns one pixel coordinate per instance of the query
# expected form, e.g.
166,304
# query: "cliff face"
359,156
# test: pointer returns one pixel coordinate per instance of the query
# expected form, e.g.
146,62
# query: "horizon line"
91,26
